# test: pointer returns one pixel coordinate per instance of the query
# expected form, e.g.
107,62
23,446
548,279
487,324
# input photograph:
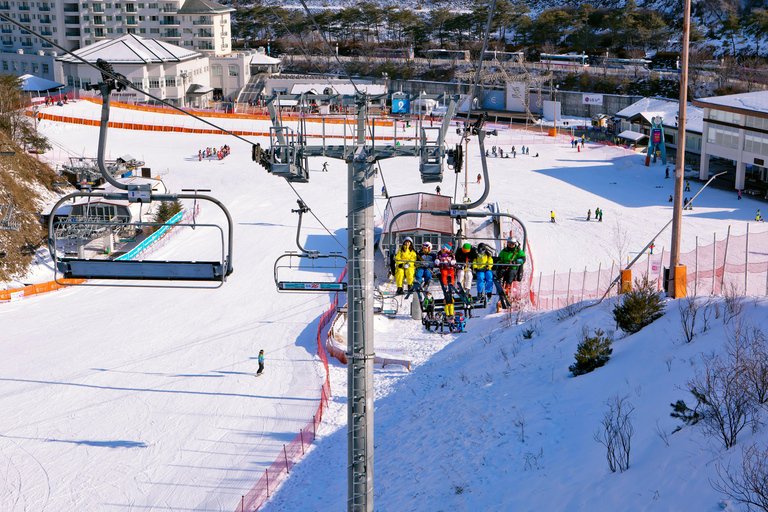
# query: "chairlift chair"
284,159
292,261
109,267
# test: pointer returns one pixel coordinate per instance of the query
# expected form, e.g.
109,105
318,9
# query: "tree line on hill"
626,31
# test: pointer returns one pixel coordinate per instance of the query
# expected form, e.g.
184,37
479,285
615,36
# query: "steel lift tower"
287,157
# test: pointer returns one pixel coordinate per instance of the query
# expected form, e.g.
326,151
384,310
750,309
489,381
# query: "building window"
216,69
154,83
725,136
154,30
5,65
139,84
142,31
170,81
726,117
119,30
756,143
756,122
45,68
234,70
85,82
34,67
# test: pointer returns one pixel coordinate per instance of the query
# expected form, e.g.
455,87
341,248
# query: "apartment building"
198,25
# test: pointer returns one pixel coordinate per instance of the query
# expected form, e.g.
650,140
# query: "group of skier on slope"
461,267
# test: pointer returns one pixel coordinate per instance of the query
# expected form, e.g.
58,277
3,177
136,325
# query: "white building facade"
736,129
177,75
199,25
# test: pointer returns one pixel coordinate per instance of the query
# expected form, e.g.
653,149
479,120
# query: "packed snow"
145,399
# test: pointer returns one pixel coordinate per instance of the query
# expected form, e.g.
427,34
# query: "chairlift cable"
316,218
120,79
479,68
138,89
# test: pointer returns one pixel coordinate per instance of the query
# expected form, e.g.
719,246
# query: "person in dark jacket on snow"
465,256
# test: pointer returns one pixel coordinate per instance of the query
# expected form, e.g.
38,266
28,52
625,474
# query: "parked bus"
567,59
627,63
396,53
442,54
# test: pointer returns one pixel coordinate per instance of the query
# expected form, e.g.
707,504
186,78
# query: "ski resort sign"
592,99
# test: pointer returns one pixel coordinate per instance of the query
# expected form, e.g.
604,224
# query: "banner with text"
592,99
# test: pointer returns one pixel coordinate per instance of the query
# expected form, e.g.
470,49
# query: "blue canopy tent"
31,83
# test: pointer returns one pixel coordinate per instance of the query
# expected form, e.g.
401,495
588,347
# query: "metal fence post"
714,261
553,289
568,289
287,470
725,260
583,283
661,271
538,295
266,473
746,262
599,271
301,435
696,280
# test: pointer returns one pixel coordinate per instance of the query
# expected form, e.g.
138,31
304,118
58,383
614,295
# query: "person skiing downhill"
261,363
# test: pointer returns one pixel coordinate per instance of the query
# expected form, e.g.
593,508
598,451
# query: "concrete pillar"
741,170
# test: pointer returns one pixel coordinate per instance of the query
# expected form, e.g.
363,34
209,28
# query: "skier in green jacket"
514,256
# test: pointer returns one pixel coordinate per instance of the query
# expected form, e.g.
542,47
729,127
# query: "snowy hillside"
135,399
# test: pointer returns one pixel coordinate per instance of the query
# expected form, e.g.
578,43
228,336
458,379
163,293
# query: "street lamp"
184,76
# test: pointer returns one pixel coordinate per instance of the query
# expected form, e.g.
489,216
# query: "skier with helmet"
447,263
483,266
513,257
426,261
405,268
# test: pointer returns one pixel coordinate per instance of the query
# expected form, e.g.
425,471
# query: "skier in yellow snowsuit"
405,266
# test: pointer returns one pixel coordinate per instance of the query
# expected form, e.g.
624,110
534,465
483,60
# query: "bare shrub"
748,484
616,433
689,309
721,389
571,309
733,305
663,434
748,345
520,423
532,459
706,315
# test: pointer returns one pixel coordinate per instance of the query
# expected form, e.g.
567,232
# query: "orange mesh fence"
737,264
294,451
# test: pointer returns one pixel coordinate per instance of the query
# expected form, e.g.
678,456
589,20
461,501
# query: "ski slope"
145,399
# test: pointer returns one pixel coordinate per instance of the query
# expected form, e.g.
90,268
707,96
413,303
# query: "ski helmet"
447,247
467,246
512,240
408,239
426,245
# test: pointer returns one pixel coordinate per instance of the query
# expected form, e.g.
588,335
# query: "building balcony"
25,19
203,22
7,42
24,7
71,8
73,33
6,31
45,21
174,34
26,44
5,7
44,9
131,23
171,22
131,8
72,20
205,33
97,8
169,8
46,32
98,22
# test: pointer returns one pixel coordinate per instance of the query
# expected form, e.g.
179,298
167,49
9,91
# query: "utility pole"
677,215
